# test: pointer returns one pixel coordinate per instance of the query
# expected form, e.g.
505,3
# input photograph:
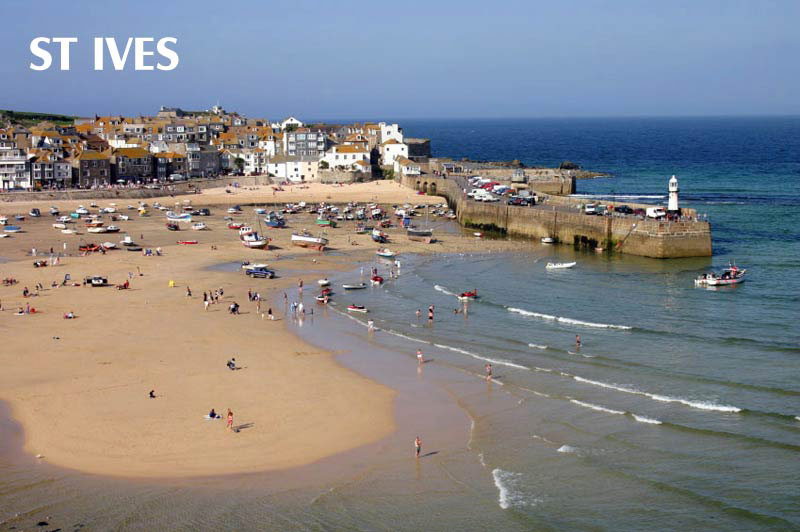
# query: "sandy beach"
80,387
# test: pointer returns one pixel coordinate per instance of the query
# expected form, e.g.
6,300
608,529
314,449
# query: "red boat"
187,242
173,227
89,247
472,294
235,225
376,279
326,292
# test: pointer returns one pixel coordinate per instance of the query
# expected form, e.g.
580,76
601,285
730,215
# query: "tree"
388,173
569,165
290,127
239,163
324,165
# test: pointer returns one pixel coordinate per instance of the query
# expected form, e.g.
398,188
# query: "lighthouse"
672,206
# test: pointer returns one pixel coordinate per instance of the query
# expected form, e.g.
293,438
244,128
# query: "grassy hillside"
30,119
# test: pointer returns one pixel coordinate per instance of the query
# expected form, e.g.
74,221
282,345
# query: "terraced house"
50,170
92,169
170,163
133,164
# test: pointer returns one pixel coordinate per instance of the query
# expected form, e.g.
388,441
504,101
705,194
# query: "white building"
255,161
405,166
14,168
390,150
286,122
345,157
269,143
391,131
294,169
672,205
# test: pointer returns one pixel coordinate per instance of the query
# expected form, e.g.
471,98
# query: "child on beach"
419,356
488,372
417,446
229,424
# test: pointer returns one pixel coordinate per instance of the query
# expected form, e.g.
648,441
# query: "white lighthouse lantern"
672,206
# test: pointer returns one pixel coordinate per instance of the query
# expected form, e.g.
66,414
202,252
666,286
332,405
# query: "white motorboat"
560,265
234,210
124,217
99,229
357,286
175,217
254,240
64,219
112,229
357,308
257,266
59,226
548,240
306,240
3,235
385,253
729,276
109,210
81,210
199,226
54,211
108,245
68,231
127,241
324,282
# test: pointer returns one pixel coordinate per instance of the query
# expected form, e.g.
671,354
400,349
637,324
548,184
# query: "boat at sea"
559,265
729,276
307,240
253,240
357,308
182,217
420,235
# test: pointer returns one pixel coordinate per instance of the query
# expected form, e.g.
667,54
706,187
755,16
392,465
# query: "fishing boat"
187,242
59,226
273,221
379,236
357,308
306,240
245,229
376,279
253,240
559,265
112,229
469,295
98,229
182,217
548,240
420,235
12,229
729,276
324,282
385,253
199,226
172,226
357,286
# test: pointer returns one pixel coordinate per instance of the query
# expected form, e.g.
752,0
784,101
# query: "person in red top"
229,425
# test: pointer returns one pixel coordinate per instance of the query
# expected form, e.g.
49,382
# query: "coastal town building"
91,169
133,164
304,142
344,157
390,150
49,170
405,166
13,168
295,169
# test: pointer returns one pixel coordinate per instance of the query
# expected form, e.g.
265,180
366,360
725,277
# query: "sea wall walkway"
560,218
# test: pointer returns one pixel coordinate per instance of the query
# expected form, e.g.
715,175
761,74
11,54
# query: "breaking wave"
568,321
498,361
597,407
507,483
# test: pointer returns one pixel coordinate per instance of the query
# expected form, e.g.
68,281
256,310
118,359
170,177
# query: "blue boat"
12,229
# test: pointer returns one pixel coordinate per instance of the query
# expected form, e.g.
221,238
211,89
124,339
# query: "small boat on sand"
324,282
108,245
252,240
187,242
259,265
59,226
379,236
98,229
112,229
420,235
559,265
357,308
68,231
172,226
182,217
306,240
235,225
199,226
12,229
548,240
357,286
385,253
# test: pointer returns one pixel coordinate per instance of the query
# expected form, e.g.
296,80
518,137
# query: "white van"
656,212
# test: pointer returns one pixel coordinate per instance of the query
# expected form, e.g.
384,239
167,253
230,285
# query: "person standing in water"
417,446
419,356
488,372
577,341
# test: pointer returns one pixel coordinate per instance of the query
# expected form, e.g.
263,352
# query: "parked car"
590,208
516,200
656,212
623,209
261,273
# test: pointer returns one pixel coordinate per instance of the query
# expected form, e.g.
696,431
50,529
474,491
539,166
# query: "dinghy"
548,240
324,282
59,226
560,265
199,226
357,286
306,240
357,308
385,253
12,229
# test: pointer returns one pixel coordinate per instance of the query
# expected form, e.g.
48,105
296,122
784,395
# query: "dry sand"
79,387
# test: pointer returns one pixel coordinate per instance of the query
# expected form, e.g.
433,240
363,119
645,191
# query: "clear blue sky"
410,58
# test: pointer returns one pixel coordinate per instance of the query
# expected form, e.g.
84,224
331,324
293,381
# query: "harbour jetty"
561,218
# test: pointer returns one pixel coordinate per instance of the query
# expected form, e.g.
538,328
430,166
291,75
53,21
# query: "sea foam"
443,290
700,405
497,361
596,407
568,321
507,483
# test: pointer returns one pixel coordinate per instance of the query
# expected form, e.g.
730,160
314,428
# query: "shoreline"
101,393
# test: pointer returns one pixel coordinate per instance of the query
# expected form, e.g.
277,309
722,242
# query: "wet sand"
79,387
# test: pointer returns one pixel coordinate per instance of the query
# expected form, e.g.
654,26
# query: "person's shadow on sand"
243,426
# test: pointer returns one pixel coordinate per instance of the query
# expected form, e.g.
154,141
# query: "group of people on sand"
210,297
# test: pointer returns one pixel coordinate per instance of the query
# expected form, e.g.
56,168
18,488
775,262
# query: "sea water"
680,410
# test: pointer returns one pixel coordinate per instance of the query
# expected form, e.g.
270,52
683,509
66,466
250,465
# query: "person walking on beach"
269,313
417,446
229,423
188,291
300,286
488,372
419,356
